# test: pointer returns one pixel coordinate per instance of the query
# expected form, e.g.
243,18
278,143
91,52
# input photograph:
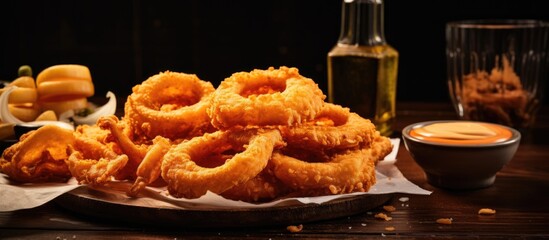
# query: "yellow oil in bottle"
364,78
362,67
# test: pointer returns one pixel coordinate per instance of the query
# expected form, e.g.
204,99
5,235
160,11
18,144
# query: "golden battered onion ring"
39,156
265,97
187,179
328,131
150,167
93,162
117,135
344,172
171,105
263,187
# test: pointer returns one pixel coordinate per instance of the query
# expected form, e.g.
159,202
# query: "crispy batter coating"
265,97
150,167
332,129
259,136
186,178
262,188
93,161
344,172
169,104
39,156
119,137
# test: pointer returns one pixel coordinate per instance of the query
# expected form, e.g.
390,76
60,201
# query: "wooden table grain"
519,197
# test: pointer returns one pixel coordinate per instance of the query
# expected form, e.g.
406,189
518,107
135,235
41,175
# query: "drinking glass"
497,69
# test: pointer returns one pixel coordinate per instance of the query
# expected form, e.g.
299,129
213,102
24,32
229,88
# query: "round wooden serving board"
94,203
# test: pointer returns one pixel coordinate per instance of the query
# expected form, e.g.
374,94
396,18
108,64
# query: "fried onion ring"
39,156
262,188
135,152
150,167
186,178
259,136
344,172
328,131
265,97
93,162
171,105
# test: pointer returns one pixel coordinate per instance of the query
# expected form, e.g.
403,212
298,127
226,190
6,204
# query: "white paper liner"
24,196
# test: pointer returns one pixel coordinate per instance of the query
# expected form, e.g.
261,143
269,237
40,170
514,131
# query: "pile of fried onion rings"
259,136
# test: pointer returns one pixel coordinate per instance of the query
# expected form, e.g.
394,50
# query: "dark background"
123,42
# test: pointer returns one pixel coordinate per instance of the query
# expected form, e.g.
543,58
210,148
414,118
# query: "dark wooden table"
519,196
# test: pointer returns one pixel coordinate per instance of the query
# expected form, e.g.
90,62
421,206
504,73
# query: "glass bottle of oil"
362,67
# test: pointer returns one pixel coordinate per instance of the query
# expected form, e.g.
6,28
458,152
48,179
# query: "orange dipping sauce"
461,132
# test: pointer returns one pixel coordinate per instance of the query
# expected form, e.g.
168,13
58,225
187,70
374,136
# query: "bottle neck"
362,23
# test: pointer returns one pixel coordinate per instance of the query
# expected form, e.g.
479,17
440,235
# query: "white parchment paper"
24,196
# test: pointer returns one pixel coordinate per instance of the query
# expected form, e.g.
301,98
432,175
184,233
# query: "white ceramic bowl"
460,166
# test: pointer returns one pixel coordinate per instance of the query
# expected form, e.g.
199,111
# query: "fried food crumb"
294,229
446,221
391,228
486,211
383,216
389,208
